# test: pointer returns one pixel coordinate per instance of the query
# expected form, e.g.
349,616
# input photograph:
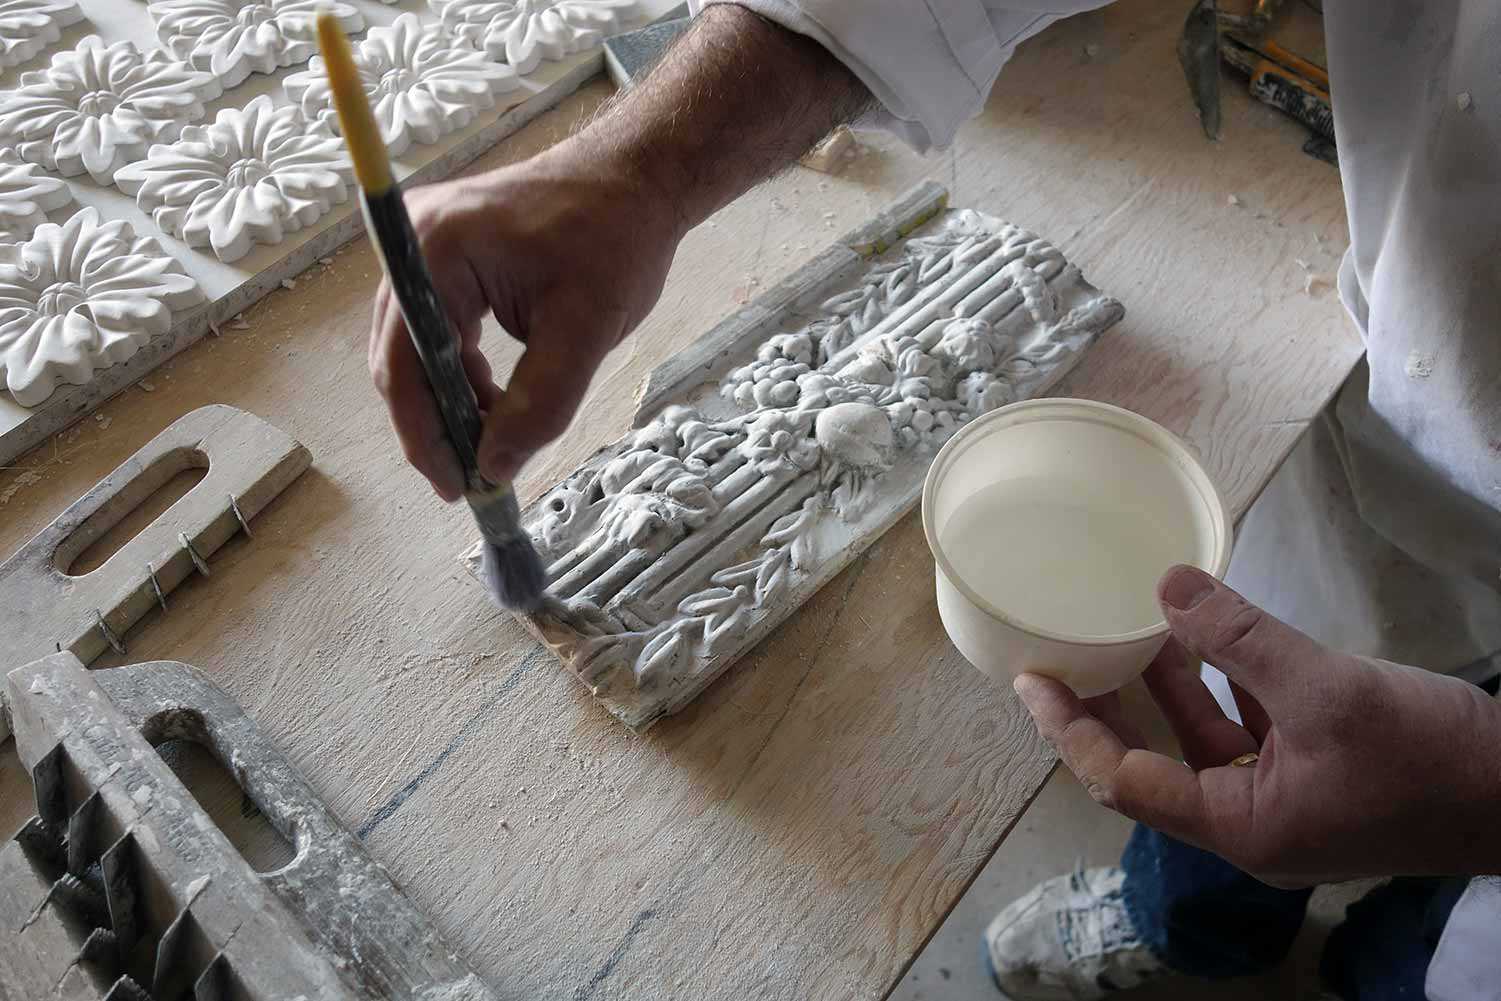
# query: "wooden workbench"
801,830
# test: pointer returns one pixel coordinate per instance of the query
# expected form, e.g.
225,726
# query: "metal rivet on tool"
198,561
109,634
235,507
156,586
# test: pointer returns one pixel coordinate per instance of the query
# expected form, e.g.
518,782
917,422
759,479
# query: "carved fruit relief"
421,85
82,296
525,32
251,177
29,26
98,107
27,194
235,38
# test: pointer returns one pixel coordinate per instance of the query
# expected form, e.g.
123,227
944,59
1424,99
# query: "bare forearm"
736,100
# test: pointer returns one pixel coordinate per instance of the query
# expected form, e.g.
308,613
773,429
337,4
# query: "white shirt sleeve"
930,63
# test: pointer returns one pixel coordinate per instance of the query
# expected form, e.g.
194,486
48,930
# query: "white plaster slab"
230,288
770,454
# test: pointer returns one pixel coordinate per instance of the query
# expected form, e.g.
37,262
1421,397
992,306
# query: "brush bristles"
366,147
513,574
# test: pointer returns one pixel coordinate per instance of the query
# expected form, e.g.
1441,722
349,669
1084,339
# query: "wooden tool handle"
436,341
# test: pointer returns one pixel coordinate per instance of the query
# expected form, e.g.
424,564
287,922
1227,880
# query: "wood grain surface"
802,829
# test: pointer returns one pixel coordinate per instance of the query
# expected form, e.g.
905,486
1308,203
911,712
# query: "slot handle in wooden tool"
47,610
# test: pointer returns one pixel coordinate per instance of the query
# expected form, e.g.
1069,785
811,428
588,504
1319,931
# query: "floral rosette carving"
27,194
251,176
234,38
525,32
98,107
420,85
29,26
82,296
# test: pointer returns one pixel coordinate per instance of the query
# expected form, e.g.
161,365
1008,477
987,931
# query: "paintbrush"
512,571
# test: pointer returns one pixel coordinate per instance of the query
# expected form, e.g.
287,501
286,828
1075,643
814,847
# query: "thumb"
544,393
1261,653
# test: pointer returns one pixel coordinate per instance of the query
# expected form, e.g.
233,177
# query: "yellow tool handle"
1267,67
1313,72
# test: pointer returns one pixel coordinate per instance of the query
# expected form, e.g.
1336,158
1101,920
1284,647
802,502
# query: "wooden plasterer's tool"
47,609
123,887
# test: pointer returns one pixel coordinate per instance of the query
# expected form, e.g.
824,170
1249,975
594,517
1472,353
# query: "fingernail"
1027,688
1185,587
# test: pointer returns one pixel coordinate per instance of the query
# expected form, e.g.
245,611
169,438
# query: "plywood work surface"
802,828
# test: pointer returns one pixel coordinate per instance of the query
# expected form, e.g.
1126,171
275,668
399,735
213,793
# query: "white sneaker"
1069,939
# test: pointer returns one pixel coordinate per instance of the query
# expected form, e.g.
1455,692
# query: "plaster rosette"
97,107
769,454
27,194
525,32
81,296
421,85
234,38
252,176
29,26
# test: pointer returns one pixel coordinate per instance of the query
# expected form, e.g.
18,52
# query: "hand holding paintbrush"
512,571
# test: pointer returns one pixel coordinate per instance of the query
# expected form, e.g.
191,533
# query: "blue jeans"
1204,917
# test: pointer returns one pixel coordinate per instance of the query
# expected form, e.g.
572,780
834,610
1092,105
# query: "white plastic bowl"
1082,442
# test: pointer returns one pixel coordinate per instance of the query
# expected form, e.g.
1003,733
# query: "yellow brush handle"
366,148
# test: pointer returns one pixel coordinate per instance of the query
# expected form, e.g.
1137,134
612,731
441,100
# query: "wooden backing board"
249,462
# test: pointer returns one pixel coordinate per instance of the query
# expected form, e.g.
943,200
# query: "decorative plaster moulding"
788,439
420,84
97,107
81,296
234,38
251,177
29,26
27,194
525,32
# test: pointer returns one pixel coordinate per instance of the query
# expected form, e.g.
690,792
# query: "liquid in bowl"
1059,556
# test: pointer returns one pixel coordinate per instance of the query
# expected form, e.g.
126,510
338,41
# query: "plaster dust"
1060,557
805,825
